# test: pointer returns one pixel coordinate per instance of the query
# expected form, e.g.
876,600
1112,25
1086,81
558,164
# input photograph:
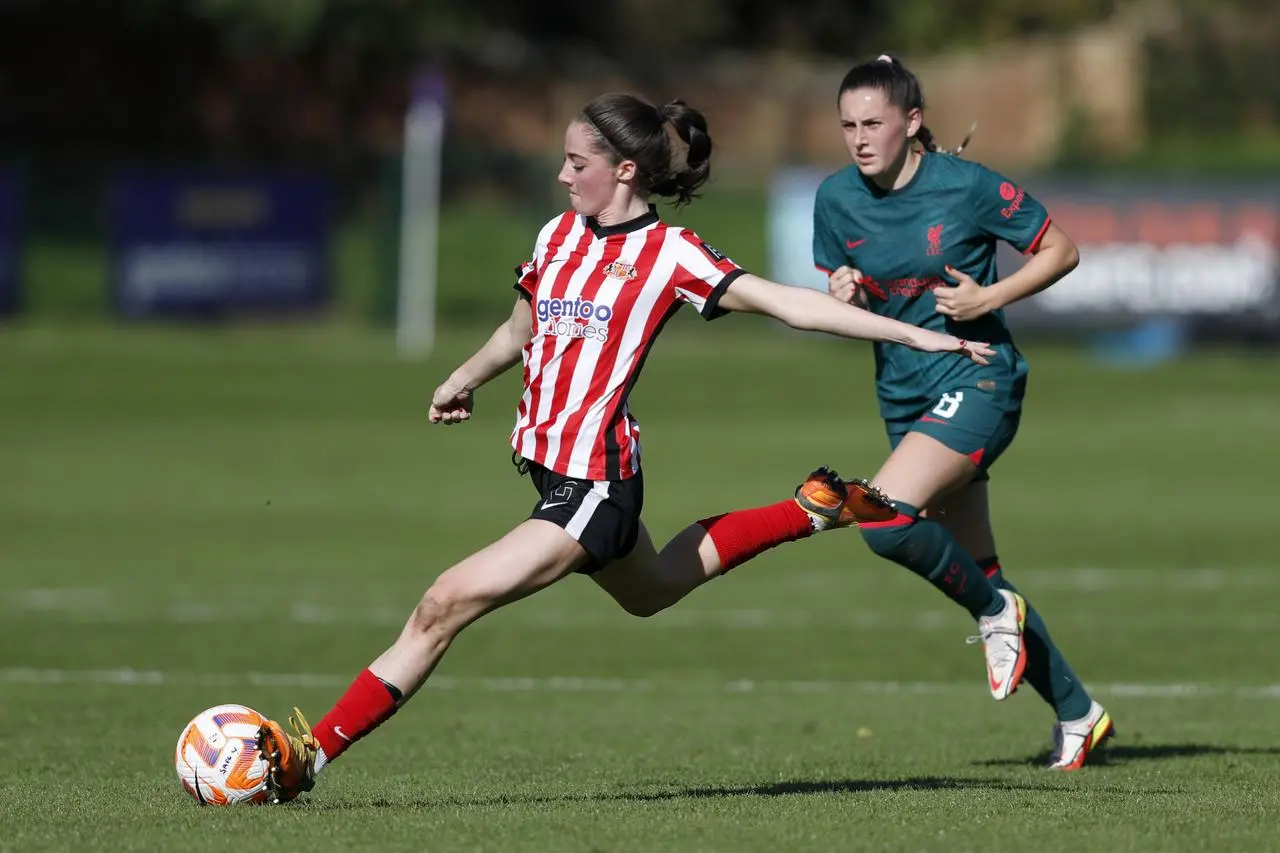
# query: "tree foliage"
629,29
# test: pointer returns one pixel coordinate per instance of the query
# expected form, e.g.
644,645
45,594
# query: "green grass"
181,510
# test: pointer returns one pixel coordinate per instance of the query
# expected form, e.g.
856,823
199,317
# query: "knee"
643,606
444,609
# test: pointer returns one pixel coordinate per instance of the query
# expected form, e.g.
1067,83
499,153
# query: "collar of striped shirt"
642,221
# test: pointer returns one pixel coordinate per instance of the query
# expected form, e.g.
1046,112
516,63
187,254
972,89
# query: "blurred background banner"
194,245
10,243
1206,254
1082,101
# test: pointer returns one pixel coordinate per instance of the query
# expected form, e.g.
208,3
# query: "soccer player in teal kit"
911,234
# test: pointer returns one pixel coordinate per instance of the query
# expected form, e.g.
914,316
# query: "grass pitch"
196,517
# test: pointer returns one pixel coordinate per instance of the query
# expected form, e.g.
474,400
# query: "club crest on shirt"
617,269
934,236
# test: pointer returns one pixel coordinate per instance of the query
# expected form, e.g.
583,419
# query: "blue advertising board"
207,245
10,244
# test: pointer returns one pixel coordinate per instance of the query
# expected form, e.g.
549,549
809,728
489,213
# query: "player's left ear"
625,171
915,120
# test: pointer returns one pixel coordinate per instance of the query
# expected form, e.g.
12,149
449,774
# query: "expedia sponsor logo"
1013,195
574,318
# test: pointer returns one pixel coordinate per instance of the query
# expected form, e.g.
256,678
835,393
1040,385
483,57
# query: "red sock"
745,533
367,704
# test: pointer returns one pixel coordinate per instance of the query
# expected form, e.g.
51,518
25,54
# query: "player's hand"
845,284
975,351
967,300
451,403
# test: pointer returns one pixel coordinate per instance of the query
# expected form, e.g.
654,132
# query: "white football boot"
1002,642
1075,741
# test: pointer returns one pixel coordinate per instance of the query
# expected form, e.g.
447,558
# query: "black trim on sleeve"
519,285
711,308
524,294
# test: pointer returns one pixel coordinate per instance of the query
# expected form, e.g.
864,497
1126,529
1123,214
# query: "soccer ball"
217,757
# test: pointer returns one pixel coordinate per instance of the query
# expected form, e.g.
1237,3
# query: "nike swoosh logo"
552,506
337,730
853,244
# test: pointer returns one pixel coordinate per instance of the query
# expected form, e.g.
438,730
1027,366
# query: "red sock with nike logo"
368,703
746,533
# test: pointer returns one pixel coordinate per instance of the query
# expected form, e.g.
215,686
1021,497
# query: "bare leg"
646,581
529,558
922,469
532,556
965,513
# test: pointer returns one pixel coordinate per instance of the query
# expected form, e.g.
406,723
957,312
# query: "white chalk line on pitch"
600,614
180,604
580,684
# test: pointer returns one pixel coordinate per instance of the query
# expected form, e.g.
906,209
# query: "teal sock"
927,548
1047,670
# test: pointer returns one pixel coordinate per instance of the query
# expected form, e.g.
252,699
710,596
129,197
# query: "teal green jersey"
953,211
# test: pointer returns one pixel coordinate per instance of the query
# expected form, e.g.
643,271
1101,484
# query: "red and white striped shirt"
600,296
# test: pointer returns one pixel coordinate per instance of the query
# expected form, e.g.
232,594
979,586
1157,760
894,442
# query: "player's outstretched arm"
453,401
812,310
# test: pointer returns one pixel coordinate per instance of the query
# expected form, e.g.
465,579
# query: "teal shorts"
967,420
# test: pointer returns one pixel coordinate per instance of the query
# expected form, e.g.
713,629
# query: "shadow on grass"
772,789
1121,754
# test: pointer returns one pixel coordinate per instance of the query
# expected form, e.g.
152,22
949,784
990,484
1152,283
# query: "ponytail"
683,179
630,128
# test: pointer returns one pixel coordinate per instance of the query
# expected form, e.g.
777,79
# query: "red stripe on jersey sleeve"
1035,243
700,271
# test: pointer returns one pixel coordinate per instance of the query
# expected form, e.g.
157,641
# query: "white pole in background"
420,218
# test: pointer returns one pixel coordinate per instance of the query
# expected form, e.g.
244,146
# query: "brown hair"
630,128
902,89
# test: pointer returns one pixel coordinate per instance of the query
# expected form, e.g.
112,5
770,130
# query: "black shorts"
602,515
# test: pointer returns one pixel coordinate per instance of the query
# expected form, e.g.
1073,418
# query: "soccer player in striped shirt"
603,279
911,234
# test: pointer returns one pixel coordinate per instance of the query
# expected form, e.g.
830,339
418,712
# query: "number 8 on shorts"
949,404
